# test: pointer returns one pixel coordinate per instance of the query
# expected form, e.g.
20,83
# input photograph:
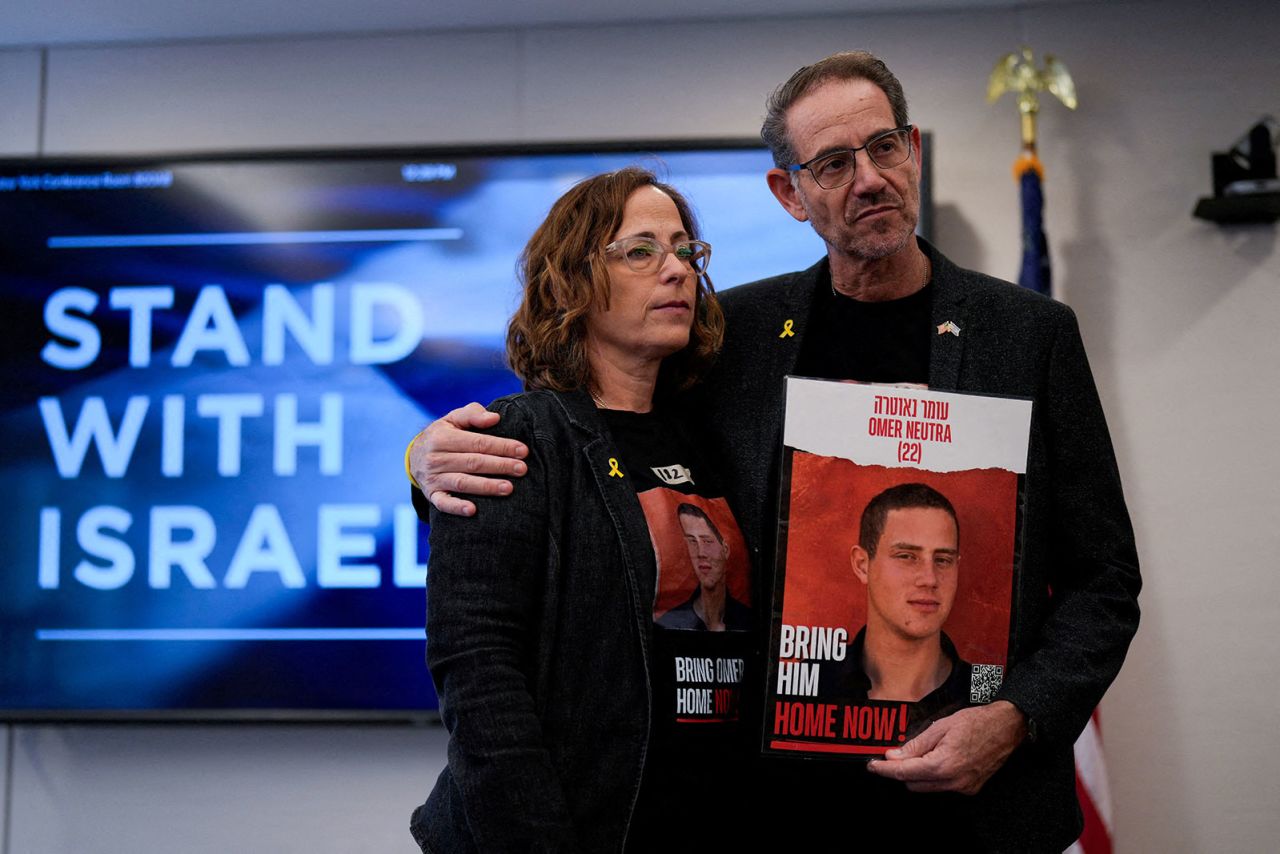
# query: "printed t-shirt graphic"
703,616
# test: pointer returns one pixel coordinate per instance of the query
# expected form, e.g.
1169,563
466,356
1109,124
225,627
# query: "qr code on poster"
984,682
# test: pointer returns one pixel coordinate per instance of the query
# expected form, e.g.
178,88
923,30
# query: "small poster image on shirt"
704,576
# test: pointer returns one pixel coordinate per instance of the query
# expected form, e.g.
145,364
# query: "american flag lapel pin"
944,328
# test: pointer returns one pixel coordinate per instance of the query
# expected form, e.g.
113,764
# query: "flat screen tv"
212,366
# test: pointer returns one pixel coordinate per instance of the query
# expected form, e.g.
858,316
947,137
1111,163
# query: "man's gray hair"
849,65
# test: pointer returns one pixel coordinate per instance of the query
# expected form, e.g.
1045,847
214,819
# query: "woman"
575,723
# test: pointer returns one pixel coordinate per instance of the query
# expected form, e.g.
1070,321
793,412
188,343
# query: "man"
908,556
710,608
884,306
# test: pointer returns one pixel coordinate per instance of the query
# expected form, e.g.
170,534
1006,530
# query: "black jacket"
1078,542
539,611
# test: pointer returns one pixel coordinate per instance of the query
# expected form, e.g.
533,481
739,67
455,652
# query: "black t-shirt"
871,342
703,639
848,681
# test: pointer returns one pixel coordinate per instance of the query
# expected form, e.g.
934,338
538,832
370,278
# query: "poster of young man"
897,556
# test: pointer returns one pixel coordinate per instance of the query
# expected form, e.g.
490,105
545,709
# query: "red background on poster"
828,495
676,579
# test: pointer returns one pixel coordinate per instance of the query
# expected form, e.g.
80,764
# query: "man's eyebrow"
840,149
834,149
912,547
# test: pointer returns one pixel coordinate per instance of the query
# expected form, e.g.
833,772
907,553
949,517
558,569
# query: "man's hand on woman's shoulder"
447,460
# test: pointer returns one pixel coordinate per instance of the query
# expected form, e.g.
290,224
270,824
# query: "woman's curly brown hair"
564,276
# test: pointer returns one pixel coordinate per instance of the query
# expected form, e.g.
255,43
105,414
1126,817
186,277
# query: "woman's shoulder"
524,401
540,413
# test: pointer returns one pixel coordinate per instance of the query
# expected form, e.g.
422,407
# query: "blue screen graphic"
211,370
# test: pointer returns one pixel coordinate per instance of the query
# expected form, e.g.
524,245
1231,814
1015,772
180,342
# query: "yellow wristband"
406,462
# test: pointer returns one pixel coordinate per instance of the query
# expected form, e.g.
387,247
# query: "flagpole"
1017,73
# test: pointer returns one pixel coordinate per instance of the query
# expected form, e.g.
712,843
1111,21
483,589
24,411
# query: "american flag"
1036,273
1094,794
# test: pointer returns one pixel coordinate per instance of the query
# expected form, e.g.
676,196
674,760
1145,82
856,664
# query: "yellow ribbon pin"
613,468
786,329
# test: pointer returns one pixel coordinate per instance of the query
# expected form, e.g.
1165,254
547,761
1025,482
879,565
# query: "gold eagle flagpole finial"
1017,73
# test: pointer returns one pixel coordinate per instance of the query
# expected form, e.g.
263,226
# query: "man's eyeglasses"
835,169
646,254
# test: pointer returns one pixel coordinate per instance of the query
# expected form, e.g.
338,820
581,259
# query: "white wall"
19,102
188,789
1179,316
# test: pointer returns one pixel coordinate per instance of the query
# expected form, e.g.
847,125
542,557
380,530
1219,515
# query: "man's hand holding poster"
897,555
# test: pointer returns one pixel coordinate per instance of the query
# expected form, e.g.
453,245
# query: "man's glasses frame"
834,169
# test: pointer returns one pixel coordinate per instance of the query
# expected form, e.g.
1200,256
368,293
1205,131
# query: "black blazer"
539,610
1078,541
